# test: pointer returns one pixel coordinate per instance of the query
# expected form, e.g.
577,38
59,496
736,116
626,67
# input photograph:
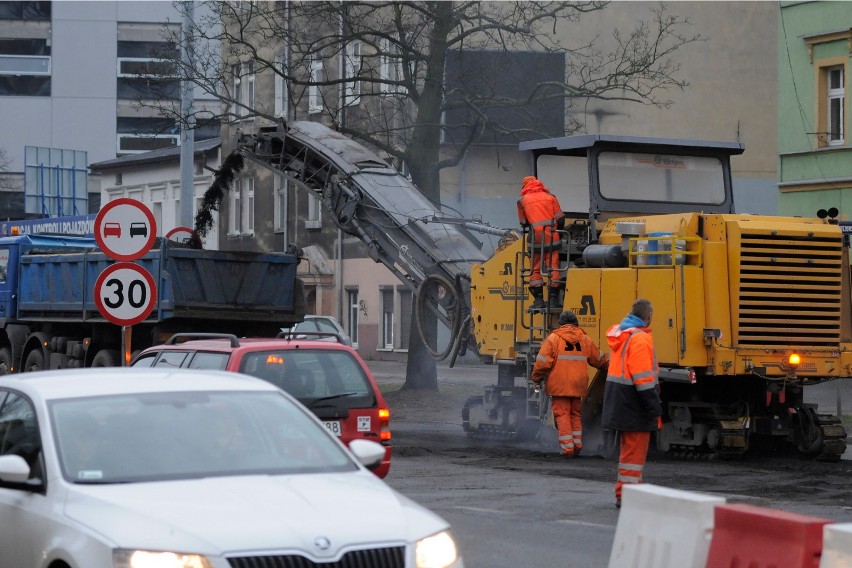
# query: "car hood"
227,515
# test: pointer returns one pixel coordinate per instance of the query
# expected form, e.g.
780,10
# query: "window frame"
313,220
832,95
352,320
353,62
388,319
280,88
315,102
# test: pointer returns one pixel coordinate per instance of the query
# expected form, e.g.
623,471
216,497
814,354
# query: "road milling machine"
748,310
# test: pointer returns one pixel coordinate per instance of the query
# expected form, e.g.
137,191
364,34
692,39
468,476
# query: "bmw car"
157,468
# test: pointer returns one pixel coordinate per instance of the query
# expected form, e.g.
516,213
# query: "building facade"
814,155
72,74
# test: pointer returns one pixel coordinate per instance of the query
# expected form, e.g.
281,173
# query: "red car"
329,378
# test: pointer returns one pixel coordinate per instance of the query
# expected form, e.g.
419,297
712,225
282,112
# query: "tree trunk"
421,372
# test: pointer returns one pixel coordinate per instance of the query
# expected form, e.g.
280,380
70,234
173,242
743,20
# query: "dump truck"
749,310
49,318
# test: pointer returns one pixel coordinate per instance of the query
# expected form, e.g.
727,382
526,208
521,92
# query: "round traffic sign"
125,229
125,293
181,234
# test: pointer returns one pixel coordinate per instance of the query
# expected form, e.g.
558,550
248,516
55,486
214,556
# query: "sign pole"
126,343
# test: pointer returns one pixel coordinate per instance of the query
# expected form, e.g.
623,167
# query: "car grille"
392,557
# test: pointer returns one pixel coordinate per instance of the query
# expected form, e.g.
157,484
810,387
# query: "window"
387,318
352,90
145,70
4,263
280,87
352,330
314,219
146,67
241,215
406,303
280,203
20,432
25,67
314,91
390,70
836,102
242,93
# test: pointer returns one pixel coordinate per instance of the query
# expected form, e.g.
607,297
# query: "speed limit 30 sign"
125,293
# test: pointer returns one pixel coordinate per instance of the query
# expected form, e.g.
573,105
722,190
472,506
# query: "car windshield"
314,376
186,435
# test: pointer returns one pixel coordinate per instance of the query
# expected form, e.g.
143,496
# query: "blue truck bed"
53,279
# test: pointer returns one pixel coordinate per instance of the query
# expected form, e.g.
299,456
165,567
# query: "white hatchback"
153,468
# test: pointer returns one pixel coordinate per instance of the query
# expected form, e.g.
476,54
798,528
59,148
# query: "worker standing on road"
631,404
562,360
539,209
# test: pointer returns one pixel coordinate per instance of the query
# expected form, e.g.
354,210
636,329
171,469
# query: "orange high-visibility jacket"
562,360
631,396
540,209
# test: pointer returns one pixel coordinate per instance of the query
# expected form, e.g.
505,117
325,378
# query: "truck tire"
106,358
34,362
6,363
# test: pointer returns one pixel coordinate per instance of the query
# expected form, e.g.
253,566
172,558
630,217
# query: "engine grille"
790,288
391,557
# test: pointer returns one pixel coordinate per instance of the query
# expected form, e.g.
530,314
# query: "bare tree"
406,89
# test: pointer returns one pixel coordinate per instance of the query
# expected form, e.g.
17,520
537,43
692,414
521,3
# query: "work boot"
538,301
553,301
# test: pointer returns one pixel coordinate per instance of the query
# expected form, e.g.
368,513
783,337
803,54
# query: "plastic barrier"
660,527
837,546
754,537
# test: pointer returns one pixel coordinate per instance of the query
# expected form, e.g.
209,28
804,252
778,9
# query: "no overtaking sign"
125,293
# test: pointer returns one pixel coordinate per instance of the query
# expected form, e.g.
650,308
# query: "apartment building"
72,74
815,157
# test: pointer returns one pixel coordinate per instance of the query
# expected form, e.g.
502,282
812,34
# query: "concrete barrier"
660,527
836,546
754,537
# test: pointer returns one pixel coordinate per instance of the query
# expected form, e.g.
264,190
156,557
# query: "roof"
566,144
162,155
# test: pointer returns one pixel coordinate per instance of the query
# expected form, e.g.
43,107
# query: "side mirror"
14,469
369,453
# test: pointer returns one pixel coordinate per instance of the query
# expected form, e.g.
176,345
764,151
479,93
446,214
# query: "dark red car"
329,378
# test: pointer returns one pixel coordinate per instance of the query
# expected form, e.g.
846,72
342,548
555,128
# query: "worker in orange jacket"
562,360
632,404
540,210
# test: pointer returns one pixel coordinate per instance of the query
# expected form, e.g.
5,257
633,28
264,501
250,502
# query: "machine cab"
603,176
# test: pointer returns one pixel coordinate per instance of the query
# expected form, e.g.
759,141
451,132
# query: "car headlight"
156,559
436,551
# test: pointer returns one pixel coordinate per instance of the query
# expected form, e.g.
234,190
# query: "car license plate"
333,427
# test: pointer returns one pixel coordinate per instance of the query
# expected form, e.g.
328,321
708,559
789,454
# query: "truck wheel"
34,362
6,364
106,358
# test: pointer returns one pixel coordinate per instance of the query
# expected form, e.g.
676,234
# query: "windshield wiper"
332,397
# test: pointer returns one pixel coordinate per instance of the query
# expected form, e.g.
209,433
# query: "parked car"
327,324
330,379
180,468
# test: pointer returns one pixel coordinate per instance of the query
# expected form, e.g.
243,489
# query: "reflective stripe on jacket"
563,360
631,396
540,209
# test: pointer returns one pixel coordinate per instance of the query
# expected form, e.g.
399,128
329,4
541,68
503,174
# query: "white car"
153,468
323,324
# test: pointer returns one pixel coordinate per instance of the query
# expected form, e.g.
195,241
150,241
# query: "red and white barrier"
754,537
660,527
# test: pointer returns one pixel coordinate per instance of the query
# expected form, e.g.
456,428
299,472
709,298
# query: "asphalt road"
519,504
